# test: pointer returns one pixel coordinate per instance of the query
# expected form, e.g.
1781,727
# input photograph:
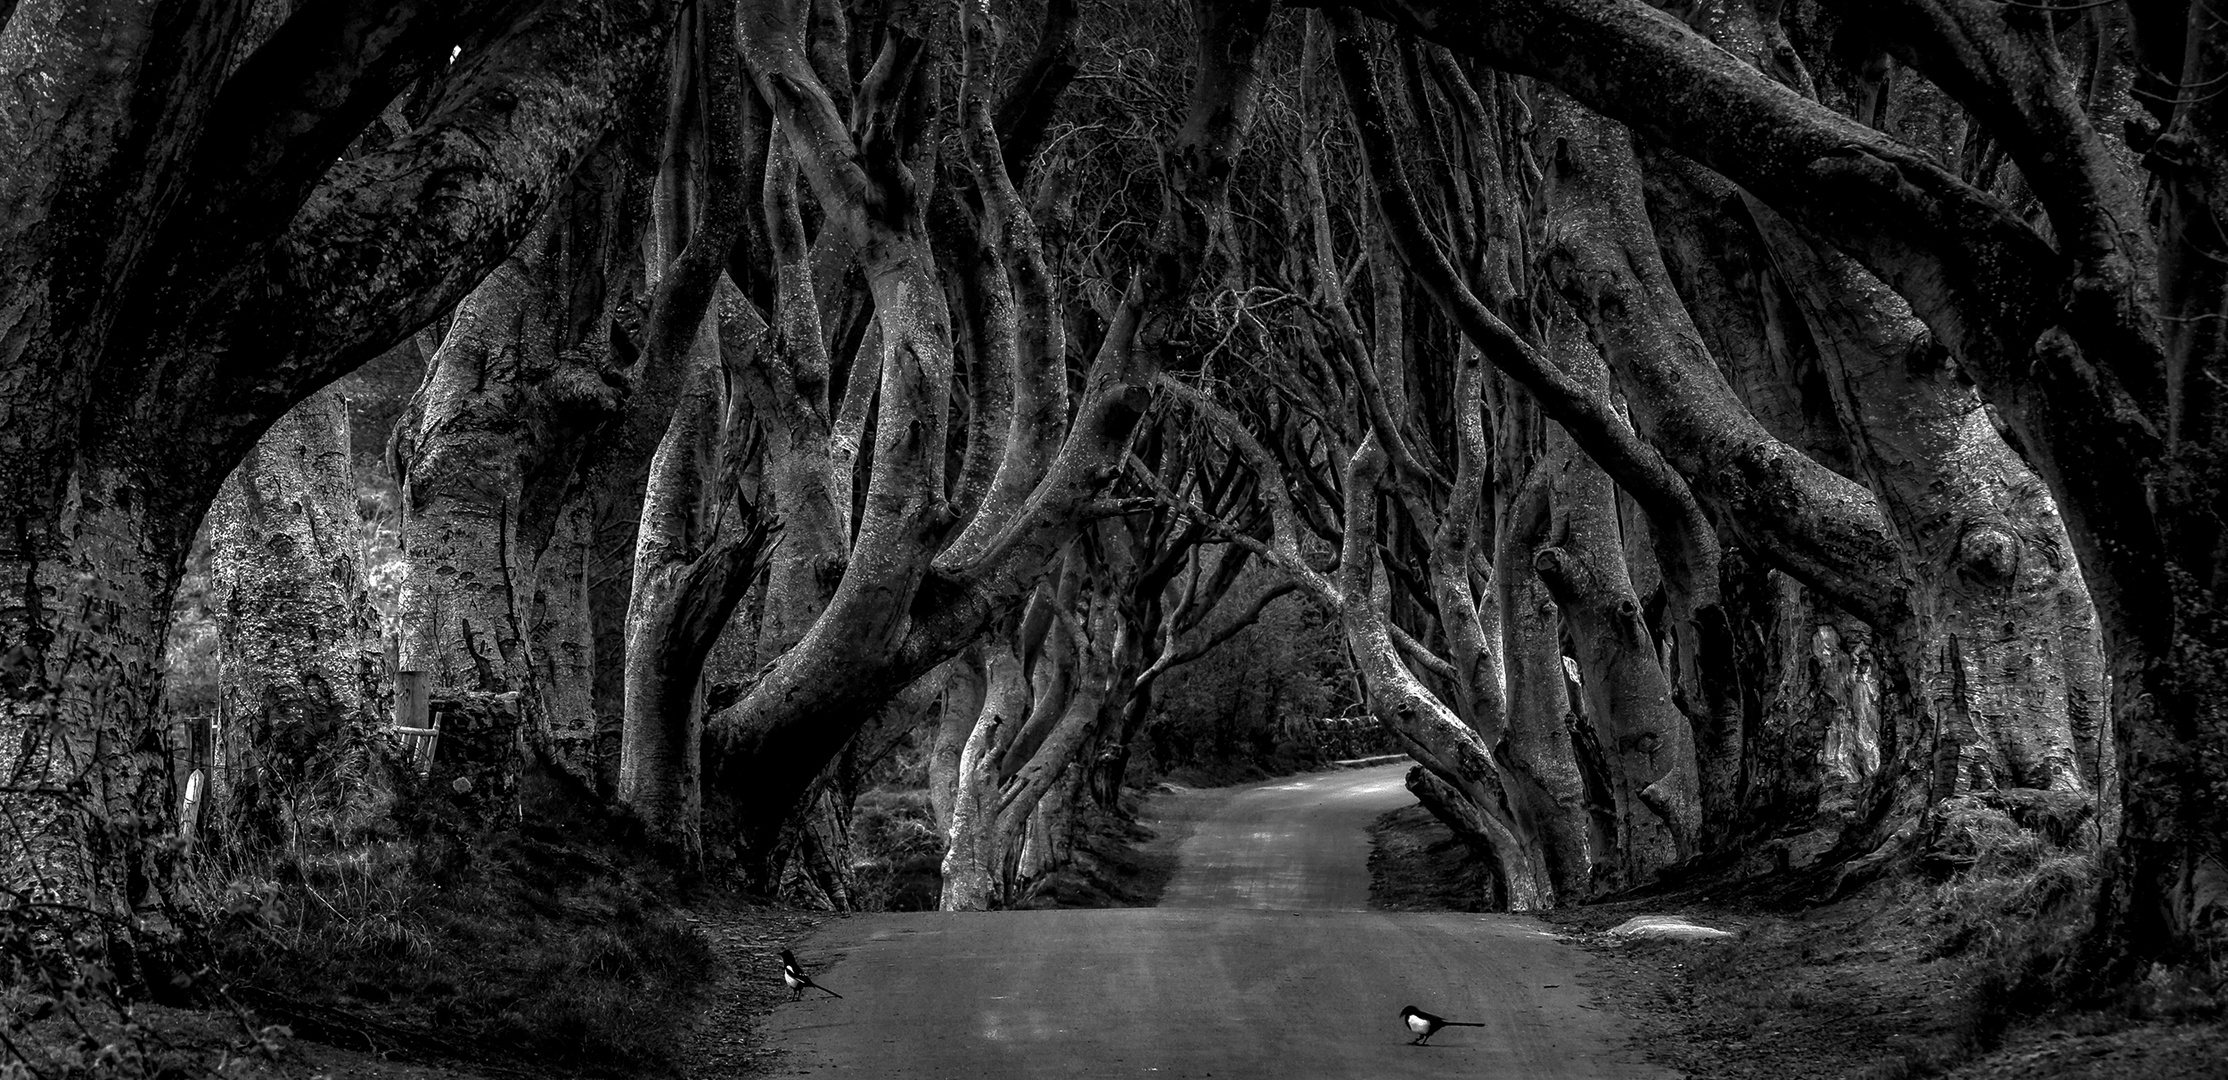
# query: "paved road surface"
1262,961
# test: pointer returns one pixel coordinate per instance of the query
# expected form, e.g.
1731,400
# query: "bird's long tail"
832,993
1461,1023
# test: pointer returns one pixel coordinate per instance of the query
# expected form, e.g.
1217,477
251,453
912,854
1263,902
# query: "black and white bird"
796,978
1426,1025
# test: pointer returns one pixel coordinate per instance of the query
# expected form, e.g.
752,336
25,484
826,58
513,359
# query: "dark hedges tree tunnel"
1708,436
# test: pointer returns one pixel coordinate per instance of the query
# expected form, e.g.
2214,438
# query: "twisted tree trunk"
892,618
972,865
495,596
1572,825
1645,740
214,260
2061,338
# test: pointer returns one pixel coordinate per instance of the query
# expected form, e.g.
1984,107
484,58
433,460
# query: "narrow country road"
1263,960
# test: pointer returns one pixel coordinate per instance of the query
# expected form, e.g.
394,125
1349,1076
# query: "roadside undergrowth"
1118,859
1966,963
1416,864
523,948
1114,858
1126,857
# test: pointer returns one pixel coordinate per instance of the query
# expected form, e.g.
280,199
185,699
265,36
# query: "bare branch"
1252,614
1422,655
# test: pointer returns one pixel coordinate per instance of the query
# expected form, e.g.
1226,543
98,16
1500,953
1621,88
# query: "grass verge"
1958,967
1127,859
520,949
1416,864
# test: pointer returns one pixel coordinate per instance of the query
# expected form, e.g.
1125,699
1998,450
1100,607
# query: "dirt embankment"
1908,978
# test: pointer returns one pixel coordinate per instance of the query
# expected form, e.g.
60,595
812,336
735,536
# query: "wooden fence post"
412,725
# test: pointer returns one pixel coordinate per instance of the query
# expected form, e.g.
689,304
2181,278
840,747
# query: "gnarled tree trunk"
215,254
299,718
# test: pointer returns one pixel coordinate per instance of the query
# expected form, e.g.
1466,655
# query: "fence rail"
418,734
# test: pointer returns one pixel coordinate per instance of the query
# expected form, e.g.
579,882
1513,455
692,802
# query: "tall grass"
518,946
2017,915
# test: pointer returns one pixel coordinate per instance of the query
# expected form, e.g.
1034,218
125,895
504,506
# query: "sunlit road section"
1292,845
1263,960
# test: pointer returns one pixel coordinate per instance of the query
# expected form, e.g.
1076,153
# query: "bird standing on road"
797,980
1426,1025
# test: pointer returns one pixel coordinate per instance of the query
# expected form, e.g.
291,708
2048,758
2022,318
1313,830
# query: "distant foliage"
1247,708
897,852
190,654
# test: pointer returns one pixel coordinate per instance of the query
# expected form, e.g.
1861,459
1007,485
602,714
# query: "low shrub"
522,946
897,853
2015,909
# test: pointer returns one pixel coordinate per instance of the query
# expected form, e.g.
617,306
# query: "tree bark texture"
496,593
2060,334
890,618
698,546
170,295
300,724
1646,742
972,871
1571,821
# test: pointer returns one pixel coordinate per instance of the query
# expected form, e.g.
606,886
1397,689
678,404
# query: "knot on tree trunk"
721,696
1988,553
1471,762
1561,572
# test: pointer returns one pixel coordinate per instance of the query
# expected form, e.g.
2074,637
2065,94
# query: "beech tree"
516,444
210,215
1074,673
1599,281
907,599
2086,341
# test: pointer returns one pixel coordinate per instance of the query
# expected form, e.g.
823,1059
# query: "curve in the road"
1262,961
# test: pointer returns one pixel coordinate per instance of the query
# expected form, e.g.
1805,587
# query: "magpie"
797,980
1426,1025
